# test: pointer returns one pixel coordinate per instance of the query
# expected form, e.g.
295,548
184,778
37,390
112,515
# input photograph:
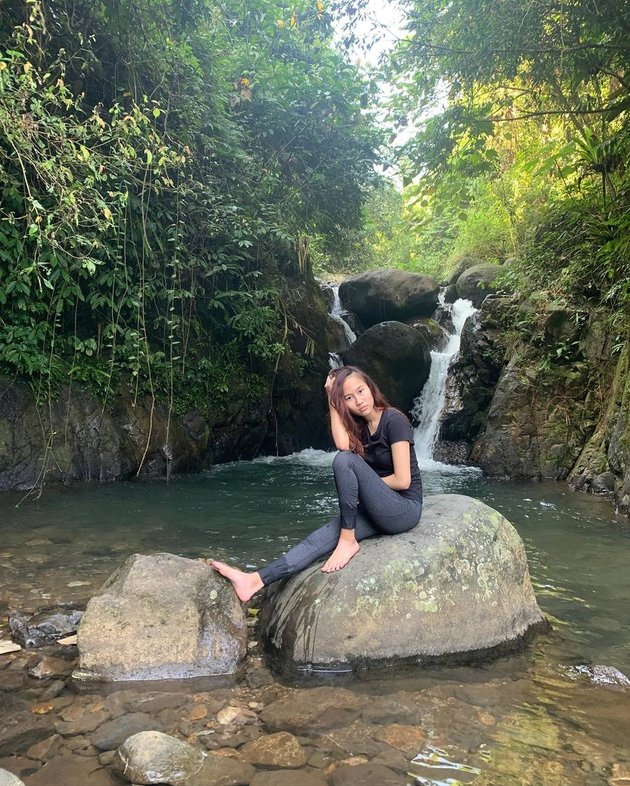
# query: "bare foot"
345,551
245,584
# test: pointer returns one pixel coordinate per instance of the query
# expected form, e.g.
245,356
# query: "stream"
548,715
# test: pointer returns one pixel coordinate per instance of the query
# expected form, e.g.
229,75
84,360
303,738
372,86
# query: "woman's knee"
344,459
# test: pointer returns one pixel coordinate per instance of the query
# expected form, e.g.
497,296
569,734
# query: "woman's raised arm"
339,433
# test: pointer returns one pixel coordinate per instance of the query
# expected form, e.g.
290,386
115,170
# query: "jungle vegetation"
170,168
163,164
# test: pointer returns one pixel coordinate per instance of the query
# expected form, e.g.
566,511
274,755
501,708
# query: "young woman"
377,478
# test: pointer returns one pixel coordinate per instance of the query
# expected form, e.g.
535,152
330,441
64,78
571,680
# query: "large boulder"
527,434
397,357
161,617
477,283
453,589
381,295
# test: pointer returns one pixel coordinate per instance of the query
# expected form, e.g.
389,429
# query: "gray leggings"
366,504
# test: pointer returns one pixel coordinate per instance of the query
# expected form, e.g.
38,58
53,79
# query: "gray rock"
526,436
476,283
397,357
463,264
432,332
45,627
8,779
152,757
390,294
113,733
454,589
161,617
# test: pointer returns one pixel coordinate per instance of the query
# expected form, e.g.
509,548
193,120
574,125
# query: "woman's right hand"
330,381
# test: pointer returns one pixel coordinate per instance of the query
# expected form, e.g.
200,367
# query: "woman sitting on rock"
377,478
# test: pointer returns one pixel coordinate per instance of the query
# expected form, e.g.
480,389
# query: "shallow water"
529,718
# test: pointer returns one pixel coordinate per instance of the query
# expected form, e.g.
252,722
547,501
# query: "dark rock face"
432,332
161,617
397,357
524,437
452,588
45,627
476,283
381,295
465,263
471,382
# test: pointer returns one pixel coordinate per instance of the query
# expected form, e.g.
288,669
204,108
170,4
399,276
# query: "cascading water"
428,406
336,311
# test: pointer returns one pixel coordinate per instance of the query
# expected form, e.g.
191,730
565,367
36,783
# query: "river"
533,717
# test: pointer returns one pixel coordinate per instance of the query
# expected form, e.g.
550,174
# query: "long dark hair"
353,424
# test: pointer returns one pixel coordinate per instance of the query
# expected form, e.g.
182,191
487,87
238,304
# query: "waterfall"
336,311
428,406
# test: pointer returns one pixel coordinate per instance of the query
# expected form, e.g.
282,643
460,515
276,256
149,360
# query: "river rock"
275,750
312,710
461,266
73,769
45,627
161,617
476,283
8,779
454,589
381,295
432,332
22,728
113,733
397,357
154,757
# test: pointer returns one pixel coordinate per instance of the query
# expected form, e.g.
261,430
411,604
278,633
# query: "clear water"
529,718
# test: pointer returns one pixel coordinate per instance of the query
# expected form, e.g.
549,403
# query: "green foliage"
160,164
522,118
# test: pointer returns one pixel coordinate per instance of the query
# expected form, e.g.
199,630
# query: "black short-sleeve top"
393,427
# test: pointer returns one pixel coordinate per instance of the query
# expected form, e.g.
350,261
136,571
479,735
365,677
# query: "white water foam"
428,406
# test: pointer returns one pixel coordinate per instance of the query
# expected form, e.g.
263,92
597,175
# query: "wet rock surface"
397,357
477,282
43,628
161,617
455,586
389,294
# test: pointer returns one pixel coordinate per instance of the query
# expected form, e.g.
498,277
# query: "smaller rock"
45,627
113,733
87,723
408,739
52,691
46,749
312,709
153,757
52,667
275,750
8,779
223,771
